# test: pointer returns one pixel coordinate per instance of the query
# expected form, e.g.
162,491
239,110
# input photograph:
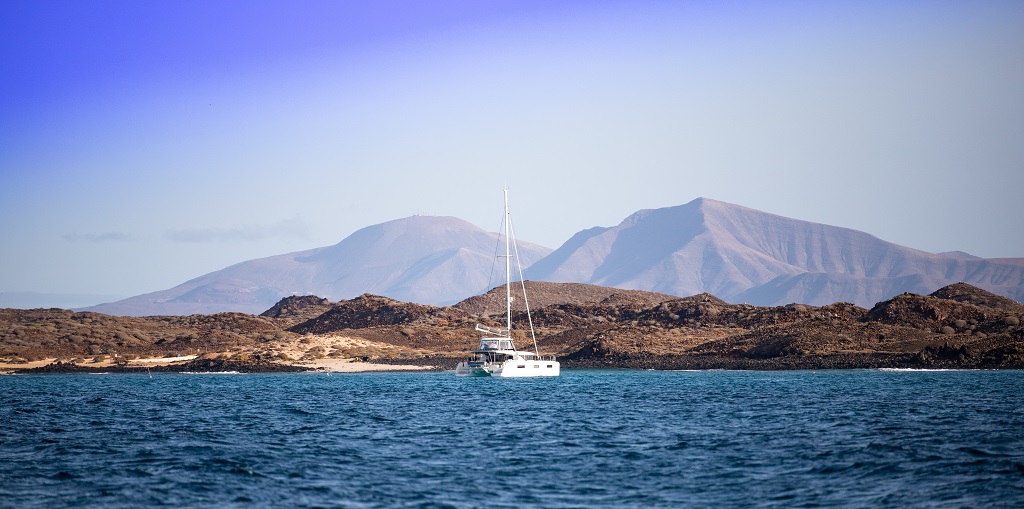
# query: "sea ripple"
590,438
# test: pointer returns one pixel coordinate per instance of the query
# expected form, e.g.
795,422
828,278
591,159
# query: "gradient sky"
144,143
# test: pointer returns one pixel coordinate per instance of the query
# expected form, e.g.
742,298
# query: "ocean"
590,438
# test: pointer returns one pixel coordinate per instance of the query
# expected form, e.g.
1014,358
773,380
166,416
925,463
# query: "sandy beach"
327,365
354,366
293,353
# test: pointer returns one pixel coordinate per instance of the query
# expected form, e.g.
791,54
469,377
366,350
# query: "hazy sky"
144,143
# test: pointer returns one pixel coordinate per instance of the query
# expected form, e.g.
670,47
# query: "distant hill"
744,255
957,326
425,259
543,294
736,253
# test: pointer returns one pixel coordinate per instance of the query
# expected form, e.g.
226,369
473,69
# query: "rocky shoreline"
944,357
193,366
957,327
811,362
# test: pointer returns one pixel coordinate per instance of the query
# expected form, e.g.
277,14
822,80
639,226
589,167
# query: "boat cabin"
496,344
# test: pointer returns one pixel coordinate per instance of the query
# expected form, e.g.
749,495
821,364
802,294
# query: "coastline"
956,327
701,362
194,363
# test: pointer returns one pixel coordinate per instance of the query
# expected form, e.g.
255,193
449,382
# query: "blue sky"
146,143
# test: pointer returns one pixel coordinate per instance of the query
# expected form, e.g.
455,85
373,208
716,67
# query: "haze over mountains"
429,259
733,252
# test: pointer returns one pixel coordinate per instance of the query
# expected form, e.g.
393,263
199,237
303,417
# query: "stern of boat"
467,368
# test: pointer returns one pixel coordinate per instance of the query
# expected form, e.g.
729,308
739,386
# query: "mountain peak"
734,252
746,255
428,259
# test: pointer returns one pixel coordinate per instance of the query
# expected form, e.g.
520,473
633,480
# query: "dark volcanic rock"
907,331
944,353
707,362
61,367
1003,357
221,365
956,326
954,309
195,365
963,292
361,312
923,312
543,294
298,308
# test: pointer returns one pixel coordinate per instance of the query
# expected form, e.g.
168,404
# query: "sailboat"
497,354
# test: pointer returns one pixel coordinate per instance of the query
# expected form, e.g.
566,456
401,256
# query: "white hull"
509,369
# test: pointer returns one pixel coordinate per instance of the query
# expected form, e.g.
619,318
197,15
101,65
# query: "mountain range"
744,255
733,252
437,260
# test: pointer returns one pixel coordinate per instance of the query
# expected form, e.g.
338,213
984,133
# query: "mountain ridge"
435,259
703,246
744,255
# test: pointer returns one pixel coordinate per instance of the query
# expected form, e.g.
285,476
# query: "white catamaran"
497,354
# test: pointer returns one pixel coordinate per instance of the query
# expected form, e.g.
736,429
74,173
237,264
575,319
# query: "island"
586,326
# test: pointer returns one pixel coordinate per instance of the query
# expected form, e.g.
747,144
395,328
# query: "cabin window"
521,366
549,365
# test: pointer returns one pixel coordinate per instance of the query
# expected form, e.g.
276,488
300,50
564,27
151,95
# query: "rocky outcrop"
363,312
956,326
298,308
201,365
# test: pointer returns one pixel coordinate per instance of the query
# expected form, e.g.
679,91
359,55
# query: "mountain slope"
742,254
433,260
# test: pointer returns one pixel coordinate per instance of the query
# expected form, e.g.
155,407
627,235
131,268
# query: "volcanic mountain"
705,246
744,255
426,259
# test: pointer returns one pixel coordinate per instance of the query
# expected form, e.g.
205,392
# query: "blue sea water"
590,438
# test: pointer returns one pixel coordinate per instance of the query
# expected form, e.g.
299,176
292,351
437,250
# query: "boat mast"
508,273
